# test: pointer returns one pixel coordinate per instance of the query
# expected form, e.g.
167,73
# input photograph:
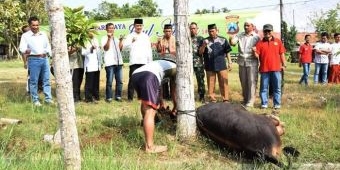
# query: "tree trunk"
186,127
67,117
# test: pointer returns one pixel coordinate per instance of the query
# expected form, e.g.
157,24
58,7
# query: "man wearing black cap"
166,46
270,52
214,50
139,45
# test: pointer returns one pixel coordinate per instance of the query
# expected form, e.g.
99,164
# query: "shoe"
109,100
277,107
264,106
37,104
249,105
118,99
156,149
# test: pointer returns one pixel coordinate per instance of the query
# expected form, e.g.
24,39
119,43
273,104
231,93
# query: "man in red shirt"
305,58
270,52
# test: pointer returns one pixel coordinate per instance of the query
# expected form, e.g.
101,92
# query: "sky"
295,12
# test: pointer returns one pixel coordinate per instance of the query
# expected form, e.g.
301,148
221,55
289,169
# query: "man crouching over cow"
232,126
147,81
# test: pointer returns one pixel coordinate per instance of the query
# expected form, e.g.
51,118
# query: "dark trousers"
199,72
130,86
77,79
92,86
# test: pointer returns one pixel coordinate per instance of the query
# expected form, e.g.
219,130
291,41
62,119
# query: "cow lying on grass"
232,126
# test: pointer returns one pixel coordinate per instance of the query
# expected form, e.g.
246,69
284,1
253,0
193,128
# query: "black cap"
167,26
138,21
211,26
268,27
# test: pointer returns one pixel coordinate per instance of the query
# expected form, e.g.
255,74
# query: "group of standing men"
146,76
327,59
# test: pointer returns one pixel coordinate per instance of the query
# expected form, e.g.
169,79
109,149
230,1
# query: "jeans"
117,71
320,69
306,69
39,66
274,78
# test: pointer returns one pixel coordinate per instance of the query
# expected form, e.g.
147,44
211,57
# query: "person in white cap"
247,61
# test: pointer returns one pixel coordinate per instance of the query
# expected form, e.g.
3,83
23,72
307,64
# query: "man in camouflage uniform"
197,60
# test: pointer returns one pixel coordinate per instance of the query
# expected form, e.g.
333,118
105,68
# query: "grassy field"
111,136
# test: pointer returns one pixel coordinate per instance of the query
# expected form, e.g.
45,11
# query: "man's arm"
107,43
202,47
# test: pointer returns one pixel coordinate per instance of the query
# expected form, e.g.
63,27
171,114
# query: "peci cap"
167,26
138,21
268,27
211,26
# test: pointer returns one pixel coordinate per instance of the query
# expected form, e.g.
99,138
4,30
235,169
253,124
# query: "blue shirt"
215,54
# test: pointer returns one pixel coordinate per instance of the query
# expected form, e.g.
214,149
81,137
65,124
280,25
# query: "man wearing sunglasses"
270,52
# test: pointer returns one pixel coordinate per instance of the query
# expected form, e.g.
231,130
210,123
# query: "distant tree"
107,10
12,18
225,10
289,37
205,11
327,21
198,11
35,8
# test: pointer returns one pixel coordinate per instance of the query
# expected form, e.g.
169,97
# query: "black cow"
232,126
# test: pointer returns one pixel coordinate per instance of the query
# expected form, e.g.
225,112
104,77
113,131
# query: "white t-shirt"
160,68
335,56
322,58
113,55
140,49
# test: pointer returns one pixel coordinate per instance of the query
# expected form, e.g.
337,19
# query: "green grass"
111,136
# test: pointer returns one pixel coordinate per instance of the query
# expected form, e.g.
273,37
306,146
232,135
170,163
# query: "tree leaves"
77,26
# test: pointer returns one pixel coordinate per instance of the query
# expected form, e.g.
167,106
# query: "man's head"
138,24
324,37
33,23
110,27
248,26
307,38
267,31
212,30
193,29
167,30
337,37
25,28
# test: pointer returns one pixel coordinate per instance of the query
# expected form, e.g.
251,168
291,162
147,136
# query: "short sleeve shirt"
269,54
215,53
306,51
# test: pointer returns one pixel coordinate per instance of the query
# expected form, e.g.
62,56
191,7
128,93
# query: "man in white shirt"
35,45
139,45
113,63
247,61
92,66
321,60
334,76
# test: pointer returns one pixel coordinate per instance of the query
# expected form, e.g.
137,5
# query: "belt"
38,55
